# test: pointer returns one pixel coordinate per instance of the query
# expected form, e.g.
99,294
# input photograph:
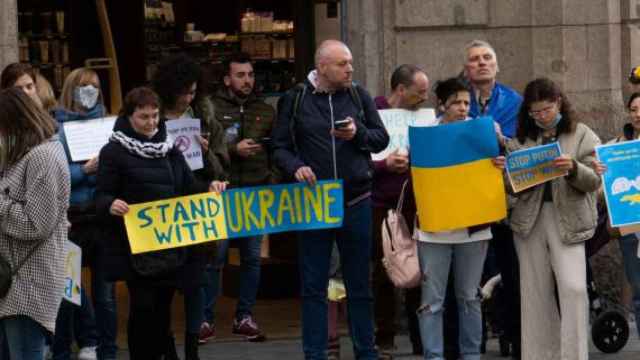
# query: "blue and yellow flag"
454,181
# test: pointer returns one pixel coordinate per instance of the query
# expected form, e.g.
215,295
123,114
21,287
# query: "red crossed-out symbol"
182,143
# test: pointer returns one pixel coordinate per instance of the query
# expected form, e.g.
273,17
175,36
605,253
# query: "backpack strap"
300,91
355,97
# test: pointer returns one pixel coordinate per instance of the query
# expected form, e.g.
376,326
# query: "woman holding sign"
139,164
34,178
629,242
550,222
179,83
465,248
81,99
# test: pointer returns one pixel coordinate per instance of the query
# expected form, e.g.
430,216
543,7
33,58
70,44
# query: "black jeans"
149,319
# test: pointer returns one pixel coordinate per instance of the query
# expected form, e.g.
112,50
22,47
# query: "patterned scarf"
149,150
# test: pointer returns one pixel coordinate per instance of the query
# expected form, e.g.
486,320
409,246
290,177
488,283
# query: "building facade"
588,47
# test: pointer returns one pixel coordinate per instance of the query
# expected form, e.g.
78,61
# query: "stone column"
8,32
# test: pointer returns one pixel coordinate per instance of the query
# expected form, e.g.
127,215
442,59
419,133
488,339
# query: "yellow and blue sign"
455,183
621,181
533,166
241,212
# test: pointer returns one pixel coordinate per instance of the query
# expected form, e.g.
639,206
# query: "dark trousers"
354,246
383,289
149,320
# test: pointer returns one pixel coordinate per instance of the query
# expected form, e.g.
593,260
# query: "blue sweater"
504,106
83,186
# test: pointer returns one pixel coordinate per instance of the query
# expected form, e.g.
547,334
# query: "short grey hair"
478,43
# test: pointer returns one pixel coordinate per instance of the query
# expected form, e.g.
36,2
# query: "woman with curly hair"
179,83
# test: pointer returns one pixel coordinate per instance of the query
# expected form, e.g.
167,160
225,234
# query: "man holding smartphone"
327,129
247,122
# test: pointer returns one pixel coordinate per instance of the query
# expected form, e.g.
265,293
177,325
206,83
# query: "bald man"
327,128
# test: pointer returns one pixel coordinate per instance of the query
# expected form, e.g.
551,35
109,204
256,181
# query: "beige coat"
574,196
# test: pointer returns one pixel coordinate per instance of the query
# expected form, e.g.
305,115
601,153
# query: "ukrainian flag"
454,181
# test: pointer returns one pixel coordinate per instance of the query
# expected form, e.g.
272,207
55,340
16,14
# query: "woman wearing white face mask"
81,99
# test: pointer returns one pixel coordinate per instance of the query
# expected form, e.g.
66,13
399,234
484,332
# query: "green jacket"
251,119
216,159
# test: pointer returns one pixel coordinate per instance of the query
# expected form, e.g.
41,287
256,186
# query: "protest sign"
85,138
533,166
183,133
234,213
397,122
452,168
73,273
621,181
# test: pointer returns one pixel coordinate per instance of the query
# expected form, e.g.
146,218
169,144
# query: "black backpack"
300,90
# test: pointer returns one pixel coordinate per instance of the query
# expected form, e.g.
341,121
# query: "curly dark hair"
174,76
543,89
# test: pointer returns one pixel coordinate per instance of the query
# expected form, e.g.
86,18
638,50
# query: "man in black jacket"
327,129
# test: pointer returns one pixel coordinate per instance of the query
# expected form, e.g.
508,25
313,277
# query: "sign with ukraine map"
458,184
241,212
621,181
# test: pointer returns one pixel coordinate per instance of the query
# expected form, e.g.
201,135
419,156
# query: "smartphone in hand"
341,124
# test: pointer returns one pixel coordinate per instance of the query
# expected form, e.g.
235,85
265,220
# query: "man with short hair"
247,123
501,102
327,129
409,90
490,97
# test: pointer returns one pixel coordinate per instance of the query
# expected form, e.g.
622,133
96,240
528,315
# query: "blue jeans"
21,338
629,248
249,277
435,261
354,245
106,316
74,320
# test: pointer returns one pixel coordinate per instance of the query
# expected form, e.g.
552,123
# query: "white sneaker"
88,353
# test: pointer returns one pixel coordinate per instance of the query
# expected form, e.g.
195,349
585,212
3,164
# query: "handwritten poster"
397,122
533,166
241,212
183,133
85,138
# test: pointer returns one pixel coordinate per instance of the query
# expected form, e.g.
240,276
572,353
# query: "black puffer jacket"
128,176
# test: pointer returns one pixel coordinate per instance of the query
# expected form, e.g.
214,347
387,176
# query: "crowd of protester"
48,199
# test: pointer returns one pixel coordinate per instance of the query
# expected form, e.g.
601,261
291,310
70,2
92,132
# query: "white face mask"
87,96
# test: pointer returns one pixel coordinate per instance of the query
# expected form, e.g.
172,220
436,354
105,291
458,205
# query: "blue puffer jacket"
308,142
504,106
83,186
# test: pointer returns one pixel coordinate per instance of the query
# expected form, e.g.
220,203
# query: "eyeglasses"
537,113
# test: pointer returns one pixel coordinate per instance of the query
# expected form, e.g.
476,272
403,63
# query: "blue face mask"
555,123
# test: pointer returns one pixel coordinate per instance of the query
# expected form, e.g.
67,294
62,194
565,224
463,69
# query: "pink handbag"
400,250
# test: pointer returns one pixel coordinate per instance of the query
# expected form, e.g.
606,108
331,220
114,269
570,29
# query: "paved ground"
291,349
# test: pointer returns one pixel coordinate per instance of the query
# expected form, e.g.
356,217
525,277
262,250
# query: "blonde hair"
45,93
73,80
23,125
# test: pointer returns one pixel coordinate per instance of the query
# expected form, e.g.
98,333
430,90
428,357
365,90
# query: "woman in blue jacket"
81,99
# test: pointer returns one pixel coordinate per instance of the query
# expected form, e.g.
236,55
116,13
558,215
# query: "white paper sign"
397,122
85,138
183,133
73,273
